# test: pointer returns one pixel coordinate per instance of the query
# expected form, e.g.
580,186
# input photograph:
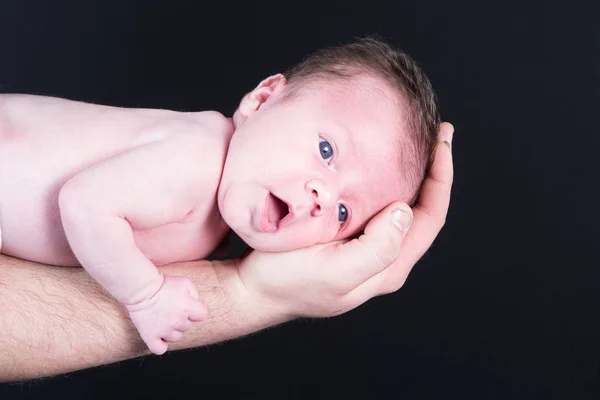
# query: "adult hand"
330,279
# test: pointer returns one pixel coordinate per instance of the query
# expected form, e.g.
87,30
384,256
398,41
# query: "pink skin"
168,313
275,150
273,186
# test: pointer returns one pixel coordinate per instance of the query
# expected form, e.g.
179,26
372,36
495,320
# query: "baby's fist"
167,314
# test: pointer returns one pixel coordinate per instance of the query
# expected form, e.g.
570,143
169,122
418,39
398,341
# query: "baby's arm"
141,188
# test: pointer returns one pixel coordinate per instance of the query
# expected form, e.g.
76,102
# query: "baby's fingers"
172,336
183,326
157,346
192,289
197,311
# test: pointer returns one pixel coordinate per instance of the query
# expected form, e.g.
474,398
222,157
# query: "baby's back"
44,142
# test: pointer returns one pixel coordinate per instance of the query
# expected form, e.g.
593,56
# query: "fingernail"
448,144
401,219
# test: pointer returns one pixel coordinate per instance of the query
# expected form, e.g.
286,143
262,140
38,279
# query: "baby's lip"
267,226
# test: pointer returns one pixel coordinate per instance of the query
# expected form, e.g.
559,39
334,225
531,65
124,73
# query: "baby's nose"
323,196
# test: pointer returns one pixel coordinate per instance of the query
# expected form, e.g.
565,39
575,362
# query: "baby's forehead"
361,100
367,111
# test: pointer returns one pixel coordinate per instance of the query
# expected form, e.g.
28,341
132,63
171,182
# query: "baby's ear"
259,96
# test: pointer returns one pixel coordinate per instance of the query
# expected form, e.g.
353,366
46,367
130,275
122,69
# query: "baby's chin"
268,244
264,245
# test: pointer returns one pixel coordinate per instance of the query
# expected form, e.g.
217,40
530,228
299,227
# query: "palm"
277,275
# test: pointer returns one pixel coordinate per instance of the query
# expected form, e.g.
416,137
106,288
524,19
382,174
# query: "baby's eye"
325,149
342,213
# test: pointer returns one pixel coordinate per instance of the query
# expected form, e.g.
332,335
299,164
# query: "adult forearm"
54,320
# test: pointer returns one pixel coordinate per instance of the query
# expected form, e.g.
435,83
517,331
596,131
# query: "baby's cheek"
330,232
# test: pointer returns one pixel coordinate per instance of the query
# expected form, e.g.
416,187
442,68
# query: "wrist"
143,297
252,301
144,294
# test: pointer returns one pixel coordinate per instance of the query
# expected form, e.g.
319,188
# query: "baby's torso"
46,141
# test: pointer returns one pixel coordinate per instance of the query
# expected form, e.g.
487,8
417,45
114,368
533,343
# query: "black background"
504,305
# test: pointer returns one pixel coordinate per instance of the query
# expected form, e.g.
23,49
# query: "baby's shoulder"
193,127
214,122
200,138
201,127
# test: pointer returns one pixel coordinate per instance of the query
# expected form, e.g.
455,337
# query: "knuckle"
395,286
339,306
442,222
386,253
339,287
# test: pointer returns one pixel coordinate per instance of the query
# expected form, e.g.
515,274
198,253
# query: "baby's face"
314,168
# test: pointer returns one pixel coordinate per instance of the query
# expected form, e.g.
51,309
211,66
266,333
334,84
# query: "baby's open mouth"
277,209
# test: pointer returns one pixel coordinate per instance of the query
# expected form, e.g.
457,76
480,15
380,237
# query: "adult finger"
376,249
429,216
446,132
434,200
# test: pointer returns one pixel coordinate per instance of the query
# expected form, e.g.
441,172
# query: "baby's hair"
372,55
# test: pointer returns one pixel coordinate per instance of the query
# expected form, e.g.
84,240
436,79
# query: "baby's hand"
168,313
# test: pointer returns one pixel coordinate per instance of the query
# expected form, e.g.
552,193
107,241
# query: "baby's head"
321,149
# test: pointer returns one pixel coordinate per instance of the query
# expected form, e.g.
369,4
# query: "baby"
308,157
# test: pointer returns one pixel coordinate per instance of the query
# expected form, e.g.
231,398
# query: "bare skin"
118,191
122,191
56,320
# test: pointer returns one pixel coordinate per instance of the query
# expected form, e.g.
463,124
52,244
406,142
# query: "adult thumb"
378,247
